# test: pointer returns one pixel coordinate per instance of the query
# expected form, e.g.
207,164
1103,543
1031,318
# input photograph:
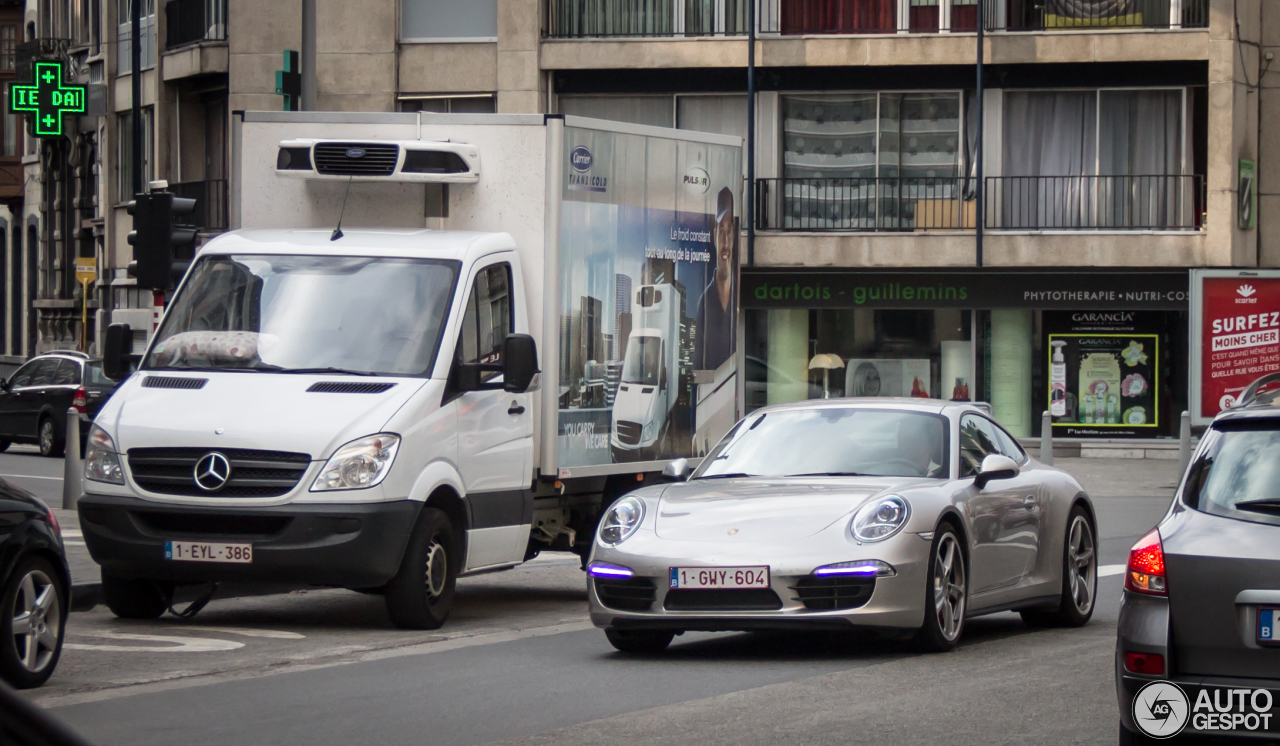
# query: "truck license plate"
201,551
720,577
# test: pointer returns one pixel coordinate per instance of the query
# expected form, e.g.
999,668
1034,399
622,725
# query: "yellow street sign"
86,270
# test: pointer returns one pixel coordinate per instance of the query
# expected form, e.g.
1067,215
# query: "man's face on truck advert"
724,247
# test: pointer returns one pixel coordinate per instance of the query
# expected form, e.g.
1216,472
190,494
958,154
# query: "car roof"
1264,406
79,357
915,404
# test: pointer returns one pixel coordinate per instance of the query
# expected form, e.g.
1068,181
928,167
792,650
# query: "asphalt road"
520,664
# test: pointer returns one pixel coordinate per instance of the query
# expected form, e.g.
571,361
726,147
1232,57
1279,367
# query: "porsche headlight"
359,464
101,462
880,518
621,520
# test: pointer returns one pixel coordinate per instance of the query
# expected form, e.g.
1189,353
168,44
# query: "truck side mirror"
116,349
519,362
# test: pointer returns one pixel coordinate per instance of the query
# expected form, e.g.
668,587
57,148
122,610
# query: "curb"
86,596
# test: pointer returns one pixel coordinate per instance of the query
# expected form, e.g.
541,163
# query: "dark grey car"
1201,606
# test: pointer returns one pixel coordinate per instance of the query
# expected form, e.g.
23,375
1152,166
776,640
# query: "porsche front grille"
839,592
629,594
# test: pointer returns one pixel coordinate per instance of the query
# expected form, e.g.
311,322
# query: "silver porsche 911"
904,515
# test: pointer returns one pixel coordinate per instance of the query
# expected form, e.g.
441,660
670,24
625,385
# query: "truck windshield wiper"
305,371
1267,505
733,475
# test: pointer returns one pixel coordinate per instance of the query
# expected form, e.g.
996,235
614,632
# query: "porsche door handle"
1029,502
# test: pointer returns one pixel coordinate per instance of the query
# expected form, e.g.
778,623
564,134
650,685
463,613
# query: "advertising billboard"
649,230
1235,335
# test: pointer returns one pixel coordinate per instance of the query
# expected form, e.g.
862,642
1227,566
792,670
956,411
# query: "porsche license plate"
720,577
201,551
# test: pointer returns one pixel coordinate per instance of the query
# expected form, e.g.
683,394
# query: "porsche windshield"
360,315
832,441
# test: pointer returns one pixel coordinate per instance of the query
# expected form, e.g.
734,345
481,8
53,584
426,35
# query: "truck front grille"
171,471
628,432
356,159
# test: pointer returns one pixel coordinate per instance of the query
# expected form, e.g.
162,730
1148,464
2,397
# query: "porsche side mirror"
995,467
677,471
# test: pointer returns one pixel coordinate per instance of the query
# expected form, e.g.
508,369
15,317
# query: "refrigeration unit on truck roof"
422,161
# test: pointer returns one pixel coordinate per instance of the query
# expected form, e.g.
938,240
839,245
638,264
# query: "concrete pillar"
1233,126
521,84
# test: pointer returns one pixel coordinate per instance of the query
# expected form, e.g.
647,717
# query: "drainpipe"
308,55
750,211
980,217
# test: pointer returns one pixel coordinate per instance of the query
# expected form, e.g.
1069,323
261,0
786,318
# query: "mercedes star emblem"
212,472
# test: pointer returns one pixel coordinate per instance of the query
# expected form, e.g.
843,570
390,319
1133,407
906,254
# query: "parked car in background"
35,588
35,399
1196,648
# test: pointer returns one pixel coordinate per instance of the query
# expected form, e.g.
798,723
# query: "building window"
124,149
1094,158
124,36
466,104
427,20
8,46
12,134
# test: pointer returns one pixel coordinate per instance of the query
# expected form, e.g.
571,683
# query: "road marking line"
425,648
268,633
29,476
73,533
1106,571
182,644
73,543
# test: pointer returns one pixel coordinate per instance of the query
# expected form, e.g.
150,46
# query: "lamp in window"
826,362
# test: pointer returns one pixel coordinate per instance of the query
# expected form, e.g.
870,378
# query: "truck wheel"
51,445
420,596
639,641
136,599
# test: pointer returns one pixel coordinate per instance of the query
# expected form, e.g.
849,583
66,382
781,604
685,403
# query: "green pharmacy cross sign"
48,100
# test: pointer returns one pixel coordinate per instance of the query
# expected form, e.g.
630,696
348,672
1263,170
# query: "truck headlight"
880,519
101,462
359,464
621,520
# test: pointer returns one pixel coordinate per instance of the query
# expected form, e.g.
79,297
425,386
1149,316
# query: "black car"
35,586
34,400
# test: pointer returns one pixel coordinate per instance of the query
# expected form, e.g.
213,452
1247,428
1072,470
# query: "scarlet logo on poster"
1241,337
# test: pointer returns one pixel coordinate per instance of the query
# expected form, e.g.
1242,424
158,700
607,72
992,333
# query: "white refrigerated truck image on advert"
398,368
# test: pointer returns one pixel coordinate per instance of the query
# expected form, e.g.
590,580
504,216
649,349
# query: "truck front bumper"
353,545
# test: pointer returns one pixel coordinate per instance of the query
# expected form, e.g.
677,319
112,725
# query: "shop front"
1105,351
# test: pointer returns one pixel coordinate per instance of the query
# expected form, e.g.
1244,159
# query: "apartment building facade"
1113,136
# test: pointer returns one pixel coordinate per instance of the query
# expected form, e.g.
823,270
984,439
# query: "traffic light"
161,250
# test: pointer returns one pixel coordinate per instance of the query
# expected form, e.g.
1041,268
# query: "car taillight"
53,521
1146,566
81,400
1148,663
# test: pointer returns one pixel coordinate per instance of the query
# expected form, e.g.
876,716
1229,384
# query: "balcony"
210,215
194,21
576,19
1013,203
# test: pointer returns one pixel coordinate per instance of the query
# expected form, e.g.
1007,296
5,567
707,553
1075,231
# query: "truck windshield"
371,315
643,363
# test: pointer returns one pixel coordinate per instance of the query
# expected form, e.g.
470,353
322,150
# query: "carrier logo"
212,472
696,180
1246,293
580,158
1161,709
355,152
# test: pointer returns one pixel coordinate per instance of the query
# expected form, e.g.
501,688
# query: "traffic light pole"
135,53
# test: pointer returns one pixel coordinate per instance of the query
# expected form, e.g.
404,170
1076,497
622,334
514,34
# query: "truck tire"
136,599
420,596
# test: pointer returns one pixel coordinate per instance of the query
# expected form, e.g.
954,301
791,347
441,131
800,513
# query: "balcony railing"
211,204
192,21
1162,203
1019,203
671,18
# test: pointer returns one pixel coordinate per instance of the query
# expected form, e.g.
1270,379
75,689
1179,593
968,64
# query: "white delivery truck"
394,371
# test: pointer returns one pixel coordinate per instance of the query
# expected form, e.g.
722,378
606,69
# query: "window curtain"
1140,150
616,17
723,115
654,110
838,16
1050,157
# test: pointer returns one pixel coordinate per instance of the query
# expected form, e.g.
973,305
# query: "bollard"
71,462
1046,438
1184,443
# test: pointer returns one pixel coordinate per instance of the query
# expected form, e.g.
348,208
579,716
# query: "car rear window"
1237,473
95,376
